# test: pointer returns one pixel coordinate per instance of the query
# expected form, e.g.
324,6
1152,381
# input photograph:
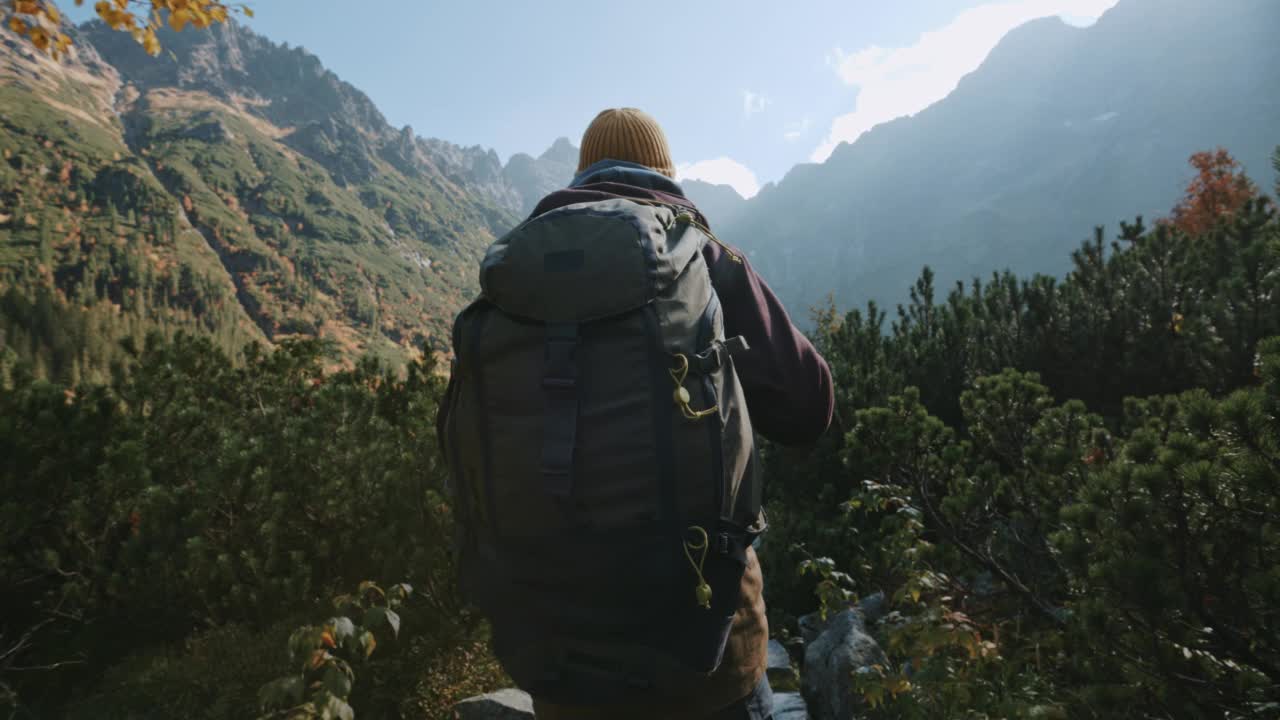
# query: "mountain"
230,186
532,178
1061,129
720,204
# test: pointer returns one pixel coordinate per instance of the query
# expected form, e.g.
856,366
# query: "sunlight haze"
744,90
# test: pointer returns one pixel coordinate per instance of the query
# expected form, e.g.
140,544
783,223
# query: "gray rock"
782,675
509,704
830,661
872,607
789,706
811,626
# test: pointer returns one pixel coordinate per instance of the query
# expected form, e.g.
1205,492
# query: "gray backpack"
603,464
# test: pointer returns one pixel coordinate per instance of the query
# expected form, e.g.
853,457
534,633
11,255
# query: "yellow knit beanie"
626,134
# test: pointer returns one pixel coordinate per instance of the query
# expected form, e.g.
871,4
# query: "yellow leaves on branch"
40,22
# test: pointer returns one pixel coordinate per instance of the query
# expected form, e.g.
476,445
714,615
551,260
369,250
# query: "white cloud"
753,103
795,130
721,171
894,82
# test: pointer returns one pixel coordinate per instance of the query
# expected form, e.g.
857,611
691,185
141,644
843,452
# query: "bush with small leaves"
324,656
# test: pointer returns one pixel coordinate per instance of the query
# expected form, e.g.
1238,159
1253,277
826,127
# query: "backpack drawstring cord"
703,591
688,218
683,216
681,395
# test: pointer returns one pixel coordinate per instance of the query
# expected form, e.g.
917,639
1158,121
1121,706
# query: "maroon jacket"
787,383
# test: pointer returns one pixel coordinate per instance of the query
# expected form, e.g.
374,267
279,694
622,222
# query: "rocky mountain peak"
562,151
287,86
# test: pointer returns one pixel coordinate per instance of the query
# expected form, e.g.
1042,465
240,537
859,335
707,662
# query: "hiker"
604,470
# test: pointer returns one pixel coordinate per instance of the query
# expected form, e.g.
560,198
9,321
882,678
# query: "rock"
811,626
782,675
830,661
509,704
789,706
872,607
534,178
211,131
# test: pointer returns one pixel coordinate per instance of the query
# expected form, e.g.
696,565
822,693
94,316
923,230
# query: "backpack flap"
587,261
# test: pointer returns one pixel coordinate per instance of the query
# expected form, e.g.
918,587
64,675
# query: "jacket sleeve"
787,383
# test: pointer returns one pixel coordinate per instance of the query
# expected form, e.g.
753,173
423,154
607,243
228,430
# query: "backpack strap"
560,426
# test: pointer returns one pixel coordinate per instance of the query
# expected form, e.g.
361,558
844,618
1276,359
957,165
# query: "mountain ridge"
254,196
1029,152
249,166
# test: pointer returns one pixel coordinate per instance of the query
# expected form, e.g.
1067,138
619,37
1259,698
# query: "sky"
744,89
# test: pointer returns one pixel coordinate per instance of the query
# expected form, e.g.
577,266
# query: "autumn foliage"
1218,191
40,21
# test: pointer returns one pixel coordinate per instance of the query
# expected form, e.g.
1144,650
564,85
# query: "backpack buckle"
712,359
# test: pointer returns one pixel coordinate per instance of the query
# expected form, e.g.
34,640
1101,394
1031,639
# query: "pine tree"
1275,164
45,249
113,219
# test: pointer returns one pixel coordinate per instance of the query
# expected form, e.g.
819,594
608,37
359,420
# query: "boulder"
840,650
811,626
509,704
782,674
873,607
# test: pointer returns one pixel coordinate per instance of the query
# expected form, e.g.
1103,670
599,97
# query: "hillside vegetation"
1066,489
226,284
234,188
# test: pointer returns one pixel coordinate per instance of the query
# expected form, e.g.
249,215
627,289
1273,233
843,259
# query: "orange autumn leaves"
39,20
1219,190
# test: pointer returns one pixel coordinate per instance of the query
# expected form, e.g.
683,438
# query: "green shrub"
1066,489
195,492
323,656
212,675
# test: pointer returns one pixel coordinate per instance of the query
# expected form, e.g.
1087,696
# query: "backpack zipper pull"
681,395
702,593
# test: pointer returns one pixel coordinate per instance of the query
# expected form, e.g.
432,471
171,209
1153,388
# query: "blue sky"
745,89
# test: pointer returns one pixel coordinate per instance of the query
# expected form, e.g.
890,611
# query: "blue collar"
627,173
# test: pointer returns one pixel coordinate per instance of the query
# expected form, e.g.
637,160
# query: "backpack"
603,467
